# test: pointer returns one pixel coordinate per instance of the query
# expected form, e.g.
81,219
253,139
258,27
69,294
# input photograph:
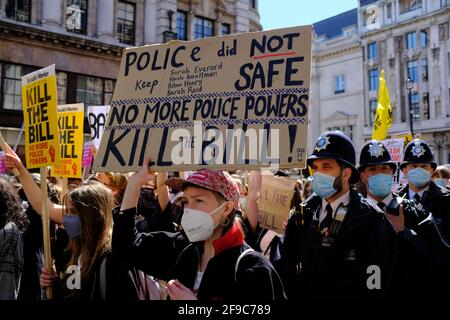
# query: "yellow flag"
383,117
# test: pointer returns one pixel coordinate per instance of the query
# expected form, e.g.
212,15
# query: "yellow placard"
70,123
39,99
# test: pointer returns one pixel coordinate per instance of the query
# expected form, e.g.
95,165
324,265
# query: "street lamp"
410,87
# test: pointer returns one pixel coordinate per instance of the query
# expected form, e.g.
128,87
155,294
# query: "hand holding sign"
7,150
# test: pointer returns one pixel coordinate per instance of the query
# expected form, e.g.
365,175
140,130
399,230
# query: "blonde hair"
120,181
94,204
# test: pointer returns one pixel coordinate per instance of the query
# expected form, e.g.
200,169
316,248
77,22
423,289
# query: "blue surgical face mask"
323,185
440,182
380,184
419,177
72,226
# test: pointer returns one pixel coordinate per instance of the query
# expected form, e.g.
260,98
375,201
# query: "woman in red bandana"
209,259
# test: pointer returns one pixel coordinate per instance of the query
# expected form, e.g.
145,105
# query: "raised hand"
177,291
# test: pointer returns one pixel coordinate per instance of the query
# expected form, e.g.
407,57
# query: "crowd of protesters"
197,236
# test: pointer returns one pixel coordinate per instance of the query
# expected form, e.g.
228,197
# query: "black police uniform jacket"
364,243
437,201
167,256
423,257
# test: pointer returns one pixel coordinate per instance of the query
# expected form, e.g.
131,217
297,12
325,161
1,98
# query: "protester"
420,242
154,206
12,224
115,181
306,189
86,216
264,240
73,183
418,166
441,177
331,243
209,258
33,245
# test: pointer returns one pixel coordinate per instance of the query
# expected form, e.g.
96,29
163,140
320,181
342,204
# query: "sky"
288,13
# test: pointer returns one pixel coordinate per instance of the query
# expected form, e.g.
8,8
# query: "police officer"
417,231
337,245
418,166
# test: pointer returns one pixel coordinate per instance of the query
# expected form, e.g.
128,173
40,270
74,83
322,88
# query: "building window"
182,25
253,4
413,73
125,22
94,91
409,5
373,79
372,50
426,106
424,66
448,63
203,28
89,90
389,10
76,13
411,41
225,29
61,85
19,10
347,130
108,92
423,39
415,106
373,104
11,85
339,84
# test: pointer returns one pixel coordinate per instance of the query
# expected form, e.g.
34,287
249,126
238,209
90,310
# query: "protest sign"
39,99
395,148
97,116
2,163
39,112
70,124
87,155
275,202
237,101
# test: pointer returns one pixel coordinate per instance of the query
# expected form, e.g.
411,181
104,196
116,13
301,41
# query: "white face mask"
198,225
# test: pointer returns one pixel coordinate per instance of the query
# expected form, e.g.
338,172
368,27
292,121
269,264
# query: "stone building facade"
85,39
408,39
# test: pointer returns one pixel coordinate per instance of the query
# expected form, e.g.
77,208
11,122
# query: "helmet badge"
322,143
418,150
376,150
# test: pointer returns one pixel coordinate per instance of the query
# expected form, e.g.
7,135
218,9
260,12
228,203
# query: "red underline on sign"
290,53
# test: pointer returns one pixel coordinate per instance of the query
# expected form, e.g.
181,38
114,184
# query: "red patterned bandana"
214,180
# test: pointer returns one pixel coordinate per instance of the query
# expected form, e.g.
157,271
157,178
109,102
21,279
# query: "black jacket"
167,256
343,270
437,201
421,251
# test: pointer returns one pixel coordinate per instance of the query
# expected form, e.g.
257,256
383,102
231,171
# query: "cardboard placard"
39,99
97,116
275,202
232,102
70,123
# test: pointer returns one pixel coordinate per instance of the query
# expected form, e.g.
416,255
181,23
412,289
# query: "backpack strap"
236,267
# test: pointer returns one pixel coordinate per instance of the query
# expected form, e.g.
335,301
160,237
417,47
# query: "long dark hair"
10,207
